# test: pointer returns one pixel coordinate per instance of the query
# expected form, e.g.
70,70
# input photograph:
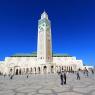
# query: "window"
43,25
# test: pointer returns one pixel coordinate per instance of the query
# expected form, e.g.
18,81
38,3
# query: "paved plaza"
48,84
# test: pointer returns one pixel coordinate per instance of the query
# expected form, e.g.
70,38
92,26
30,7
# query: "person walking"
64,77
92,71
78,76
27,76
61,77
86,72
4,75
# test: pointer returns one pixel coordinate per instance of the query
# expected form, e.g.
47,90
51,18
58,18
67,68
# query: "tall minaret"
44,45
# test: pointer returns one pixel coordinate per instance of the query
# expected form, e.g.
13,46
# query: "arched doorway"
20,71
62,68
39,70
16,71
71,69
67,68
52,69
44,69
31,70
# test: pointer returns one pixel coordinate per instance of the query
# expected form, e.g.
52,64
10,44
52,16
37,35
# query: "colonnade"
17,70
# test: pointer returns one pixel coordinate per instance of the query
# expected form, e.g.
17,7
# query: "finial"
44,12
44,15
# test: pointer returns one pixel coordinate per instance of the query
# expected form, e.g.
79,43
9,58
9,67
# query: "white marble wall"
31,62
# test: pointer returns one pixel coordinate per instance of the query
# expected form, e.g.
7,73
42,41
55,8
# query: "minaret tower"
44,45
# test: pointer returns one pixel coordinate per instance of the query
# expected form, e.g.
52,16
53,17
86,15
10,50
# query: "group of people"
63,75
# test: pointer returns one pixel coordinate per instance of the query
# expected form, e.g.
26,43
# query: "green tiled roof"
34,54
61,55
25,55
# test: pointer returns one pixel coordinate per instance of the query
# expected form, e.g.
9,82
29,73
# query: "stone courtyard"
47,84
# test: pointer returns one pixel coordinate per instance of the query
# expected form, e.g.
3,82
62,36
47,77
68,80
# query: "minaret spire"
44,15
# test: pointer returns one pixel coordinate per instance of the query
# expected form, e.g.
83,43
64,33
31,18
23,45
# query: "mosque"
42,61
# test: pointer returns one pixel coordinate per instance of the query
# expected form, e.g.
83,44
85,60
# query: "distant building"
44,61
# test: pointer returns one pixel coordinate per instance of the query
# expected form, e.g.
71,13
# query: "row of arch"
66,68
17,70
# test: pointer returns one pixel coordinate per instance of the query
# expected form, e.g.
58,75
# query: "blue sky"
73,27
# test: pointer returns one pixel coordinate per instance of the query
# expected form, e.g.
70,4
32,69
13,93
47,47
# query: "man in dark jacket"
64,75
61,77
78,75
